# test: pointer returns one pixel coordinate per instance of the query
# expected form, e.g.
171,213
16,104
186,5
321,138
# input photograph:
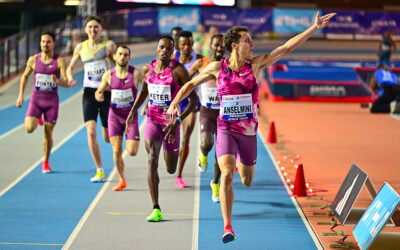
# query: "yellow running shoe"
215,191
155,216
203,163
99,177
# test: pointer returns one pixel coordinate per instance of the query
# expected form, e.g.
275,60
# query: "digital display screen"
184,2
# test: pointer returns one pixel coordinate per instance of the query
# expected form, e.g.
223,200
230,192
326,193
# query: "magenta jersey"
123,91
42,82
238,96
162,90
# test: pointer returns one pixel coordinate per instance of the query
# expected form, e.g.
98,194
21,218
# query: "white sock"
100,170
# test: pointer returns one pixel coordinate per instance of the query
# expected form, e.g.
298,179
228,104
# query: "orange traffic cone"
300,189
272,133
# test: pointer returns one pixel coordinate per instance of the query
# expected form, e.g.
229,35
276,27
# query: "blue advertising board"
142,23
344,22
256,20
293,21
379,22
223,18
186,18
373,220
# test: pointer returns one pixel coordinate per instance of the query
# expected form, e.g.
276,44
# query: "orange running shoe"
120,186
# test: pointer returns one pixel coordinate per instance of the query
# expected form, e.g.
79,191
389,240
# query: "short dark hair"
214,36
185,33
50,33
233,36
124,47
176,28
95,18
167,37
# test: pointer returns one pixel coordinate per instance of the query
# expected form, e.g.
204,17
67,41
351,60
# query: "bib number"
160,95
121,98
209,98
45,83
95,70
237,107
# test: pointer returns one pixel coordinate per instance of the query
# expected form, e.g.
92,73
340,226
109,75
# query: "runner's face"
122,57
186,45
217,48
93,29
46,43
165,48
174,35
246,45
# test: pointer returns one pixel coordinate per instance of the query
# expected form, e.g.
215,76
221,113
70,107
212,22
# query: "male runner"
47,67
96,55
174,34
209,111
164,79
238,94
187,57
123,81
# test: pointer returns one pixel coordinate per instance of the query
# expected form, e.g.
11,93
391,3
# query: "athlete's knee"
132,151
247,181
29,127
171,168
227,176
91,133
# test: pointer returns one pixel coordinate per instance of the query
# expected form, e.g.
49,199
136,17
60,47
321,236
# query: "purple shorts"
208,120
244,147
154,131
46,104
117,121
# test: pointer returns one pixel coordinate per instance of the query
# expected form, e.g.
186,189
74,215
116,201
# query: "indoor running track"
64,209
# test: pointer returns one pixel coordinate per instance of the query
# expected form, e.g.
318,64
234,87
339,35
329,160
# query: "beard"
122,65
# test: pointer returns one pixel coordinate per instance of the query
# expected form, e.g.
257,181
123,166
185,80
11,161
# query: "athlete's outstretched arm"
72,63
24,80
105,82
262,61
62,67
209,73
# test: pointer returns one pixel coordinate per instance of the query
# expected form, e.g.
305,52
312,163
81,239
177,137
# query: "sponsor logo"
243,74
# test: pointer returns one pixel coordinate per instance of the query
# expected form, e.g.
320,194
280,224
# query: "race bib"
45,83
121,98
237,107
160,95
95,70
209,97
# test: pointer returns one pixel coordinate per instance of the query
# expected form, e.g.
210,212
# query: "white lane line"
77,94
294,201
196,207
2,192
96,200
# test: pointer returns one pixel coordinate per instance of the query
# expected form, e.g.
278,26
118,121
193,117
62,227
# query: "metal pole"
16,53
2,61
8,58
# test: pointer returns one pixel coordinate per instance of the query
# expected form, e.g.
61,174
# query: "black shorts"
91,107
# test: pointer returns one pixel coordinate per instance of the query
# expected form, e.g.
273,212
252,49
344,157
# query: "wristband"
179,119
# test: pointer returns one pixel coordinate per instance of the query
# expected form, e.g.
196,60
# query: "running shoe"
180,183
41,121
46,167
236,169
203,163
228,235
99,177
215,191
155,216
120,186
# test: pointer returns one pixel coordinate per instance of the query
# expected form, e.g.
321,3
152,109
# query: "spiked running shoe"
215,191
155,216
180,183
99,177
46,167
228,235
203,163
120,186
41,121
